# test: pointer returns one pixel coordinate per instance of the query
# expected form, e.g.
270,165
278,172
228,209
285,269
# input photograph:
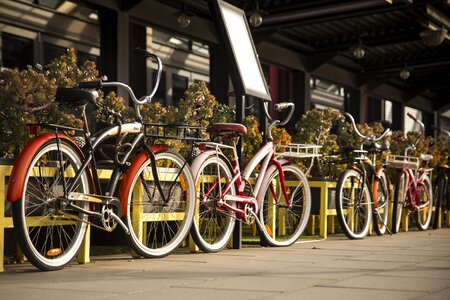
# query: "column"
300,94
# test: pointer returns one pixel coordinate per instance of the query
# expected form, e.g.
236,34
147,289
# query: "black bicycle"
56,191
362,191
441,187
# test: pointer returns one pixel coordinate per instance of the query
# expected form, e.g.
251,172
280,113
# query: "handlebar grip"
282,106
90,85
411,116
145,53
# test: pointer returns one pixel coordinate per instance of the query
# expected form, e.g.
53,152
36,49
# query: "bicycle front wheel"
353,204
48,231
400,194
284,219
159,222
213,224
424,209
381,193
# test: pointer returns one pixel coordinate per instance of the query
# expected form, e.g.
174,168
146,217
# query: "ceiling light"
255,19
359,52
404,73
184,17
433,37
183,20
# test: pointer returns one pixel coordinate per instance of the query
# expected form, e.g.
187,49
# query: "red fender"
125,187
17,178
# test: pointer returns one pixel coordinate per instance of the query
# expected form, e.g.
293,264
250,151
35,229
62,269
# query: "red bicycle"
279,200
413,191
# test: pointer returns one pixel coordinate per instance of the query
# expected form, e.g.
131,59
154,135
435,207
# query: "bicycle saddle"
225,129
376,146
426,157
75,96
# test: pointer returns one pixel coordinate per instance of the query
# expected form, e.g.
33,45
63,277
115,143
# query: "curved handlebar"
422,126
143,99
278,107
372,138
282,106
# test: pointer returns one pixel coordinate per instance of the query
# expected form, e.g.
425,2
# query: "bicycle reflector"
54,252
34,129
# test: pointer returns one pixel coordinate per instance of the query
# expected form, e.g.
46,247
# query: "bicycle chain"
72,217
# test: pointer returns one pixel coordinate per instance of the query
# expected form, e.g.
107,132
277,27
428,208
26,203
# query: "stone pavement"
412,265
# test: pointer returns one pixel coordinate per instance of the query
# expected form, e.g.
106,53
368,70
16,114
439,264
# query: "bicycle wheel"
381,192
158,222
213,225
285,222
401,187
438,195
424,210
353,204
48,233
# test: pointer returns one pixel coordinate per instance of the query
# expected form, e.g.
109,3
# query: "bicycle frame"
265,157
414,182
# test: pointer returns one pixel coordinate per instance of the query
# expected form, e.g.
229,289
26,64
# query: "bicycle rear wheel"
48,232
381,192
353,204
401,187
285,222
159,223
424,210
213,225
438,195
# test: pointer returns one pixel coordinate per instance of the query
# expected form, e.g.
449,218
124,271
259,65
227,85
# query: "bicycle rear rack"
298,150
401,161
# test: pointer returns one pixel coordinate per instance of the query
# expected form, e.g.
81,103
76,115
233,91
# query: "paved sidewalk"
413,265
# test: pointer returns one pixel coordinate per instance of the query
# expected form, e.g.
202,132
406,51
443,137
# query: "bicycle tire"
348,211
284,224
424,211
48,244
399,201
381,213
157,227
438,194
212,226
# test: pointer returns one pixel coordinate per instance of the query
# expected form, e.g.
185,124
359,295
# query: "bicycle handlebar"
278,107
143,99
282,106
371,138
422,126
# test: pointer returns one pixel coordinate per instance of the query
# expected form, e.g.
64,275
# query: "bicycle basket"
298,150
401,161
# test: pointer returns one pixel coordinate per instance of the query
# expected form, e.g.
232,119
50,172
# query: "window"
53,51
179,86
17,52
326,94
170,39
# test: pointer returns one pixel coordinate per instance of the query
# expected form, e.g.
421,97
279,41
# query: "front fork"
282,182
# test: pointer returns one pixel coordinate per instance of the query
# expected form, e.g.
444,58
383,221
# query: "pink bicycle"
278,199
413,190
